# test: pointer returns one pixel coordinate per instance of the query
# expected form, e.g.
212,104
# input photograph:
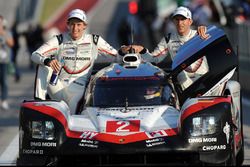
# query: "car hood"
121,120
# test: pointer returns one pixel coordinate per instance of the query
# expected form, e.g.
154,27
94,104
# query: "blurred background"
32,22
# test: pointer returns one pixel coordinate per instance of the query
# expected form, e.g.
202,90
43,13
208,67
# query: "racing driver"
71,57
169,45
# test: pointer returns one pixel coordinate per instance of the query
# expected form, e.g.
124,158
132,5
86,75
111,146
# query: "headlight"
203,126
49,130
37,130
43,130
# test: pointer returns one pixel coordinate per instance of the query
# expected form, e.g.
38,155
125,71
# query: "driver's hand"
130,49
202,32
125,49
137,48
55,65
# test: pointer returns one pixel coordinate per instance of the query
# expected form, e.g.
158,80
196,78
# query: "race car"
135,113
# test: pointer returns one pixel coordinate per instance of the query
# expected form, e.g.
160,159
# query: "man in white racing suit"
71,55
169,46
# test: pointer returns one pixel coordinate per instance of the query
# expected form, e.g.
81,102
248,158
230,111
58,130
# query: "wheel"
240,156
232,160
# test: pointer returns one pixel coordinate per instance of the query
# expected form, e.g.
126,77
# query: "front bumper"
167,150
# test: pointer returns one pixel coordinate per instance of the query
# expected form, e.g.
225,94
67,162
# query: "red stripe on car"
201,105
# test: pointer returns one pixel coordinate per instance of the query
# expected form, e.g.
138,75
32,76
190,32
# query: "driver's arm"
106,50
159,53
43,54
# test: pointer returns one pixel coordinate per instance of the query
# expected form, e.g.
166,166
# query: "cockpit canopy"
133,91
129,84
138,83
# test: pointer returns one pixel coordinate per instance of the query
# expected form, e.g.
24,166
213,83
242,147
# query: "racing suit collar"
76,41
184,38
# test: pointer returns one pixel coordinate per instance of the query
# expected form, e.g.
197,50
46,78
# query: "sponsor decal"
154,142
123,126
88,143
30,151
214,147
203,140
158,133
43,144
88,135
226,130
77,58
78,83
84,44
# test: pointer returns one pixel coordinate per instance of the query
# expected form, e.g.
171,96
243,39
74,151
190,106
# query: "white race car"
135,113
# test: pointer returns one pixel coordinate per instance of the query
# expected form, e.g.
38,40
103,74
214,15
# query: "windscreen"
130,93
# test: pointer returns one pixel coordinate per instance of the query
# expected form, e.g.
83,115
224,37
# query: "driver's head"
77,23
182,18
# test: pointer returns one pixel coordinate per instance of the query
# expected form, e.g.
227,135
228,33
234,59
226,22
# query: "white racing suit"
169,46
78,58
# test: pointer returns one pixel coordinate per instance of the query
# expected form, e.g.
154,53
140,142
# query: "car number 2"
123,126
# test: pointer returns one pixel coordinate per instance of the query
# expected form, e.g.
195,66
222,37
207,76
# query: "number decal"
123,126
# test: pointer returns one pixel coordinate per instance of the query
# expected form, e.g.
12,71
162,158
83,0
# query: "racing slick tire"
232,159
240,156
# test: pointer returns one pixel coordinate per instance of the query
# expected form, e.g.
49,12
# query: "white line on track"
8,157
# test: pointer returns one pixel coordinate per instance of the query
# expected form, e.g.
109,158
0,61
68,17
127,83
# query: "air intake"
131,60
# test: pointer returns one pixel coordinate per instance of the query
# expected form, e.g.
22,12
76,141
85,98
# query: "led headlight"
49,130
37,130
203,126
43,130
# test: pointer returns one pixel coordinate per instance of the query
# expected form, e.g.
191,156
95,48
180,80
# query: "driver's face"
76,28
182,24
